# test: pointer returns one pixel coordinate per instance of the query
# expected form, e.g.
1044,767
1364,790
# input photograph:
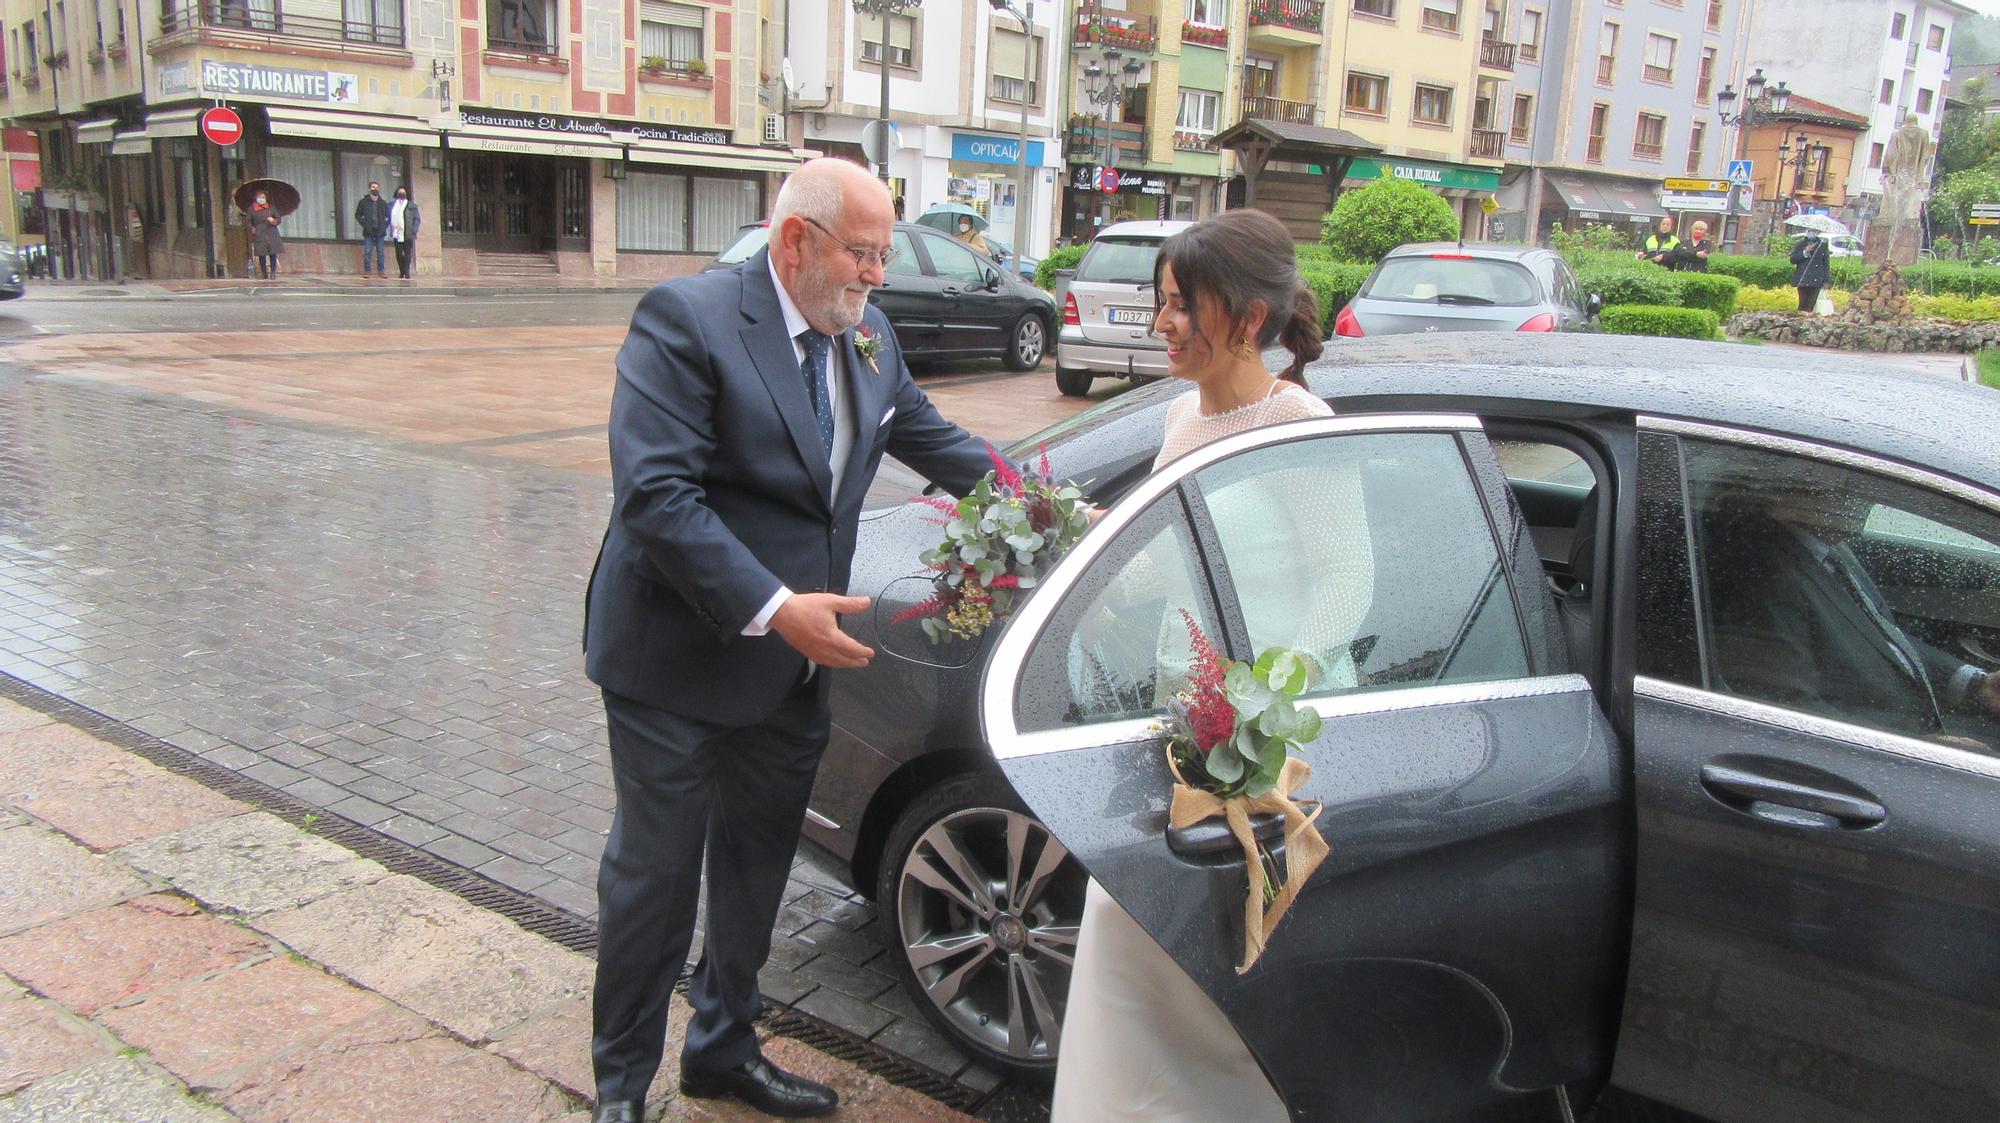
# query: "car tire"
1072,382
1027,343
991,973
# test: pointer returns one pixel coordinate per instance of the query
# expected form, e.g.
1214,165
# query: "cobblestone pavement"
262,552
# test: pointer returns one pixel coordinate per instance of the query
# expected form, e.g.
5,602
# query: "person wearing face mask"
266,244
371,214
403,223
972,237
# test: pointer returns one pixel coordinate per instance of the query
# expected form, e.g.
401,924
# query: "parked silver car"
1446,286
1107,321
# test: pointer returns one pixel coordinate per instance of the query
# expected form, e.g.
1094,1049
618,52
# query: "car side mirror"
992,281
1593,304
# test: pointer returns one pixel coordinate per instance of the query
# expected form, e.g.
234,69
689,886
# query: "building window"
1384,8
1432,105
311,171
681,214
1367,93
1607,51
902,40
1822,159
1704,80
1531,34
190,208
1441,15
671,35
521,25
1600,118
1697,136
1650,137
1660,57
1888,91
1524,115
1715,15
1874,157
1208,13
1896,26
1198,112
1935,39
372,21
1011,60
1493,26
1923,101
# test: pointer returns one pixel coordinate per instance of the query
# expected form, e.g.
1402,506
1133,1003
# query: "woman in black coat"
1811,261
266,244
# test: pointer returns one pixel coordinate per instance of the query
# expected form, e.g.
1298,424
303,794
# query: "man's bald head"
824,189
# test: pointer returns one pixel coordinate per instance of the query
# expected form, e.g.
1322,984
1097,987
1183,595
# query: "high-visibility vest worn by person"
1655,245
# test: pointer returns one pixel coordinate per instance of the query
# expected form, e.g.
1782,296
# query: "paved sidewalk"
338,284
171,954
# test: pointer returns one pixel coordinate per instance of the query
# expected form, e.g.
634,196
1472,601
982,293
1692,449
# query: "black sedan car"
945,300
1660,743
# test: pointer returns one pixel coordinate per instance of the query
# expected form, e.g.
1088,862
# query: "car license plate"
1131,316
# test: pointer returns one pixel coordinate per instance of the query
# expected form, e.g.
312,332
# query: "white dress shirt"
843,425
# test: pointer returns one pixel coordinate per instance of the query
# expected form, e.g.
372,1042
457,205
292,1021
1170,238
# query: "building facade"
960,79
595,137
1879,59
1608,101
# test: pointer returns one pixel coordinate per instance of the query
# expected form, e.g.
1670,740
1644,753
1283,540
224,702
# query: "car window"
745,246
1369,552
1443,279
1544,269
906,263
1119,261
1118,647
1566,289
956,262
1845,594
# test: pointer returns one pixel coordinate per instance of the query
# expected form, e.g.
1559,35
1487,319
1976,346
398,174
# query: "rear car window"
745,246
1119,261
1449,280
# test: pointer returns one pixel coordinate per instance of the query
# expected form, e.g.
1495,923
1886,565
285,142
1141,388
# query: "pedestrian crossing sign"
1739,172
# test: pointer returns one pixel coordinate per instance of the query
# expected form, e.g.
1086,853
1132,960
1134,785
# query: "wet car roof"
1856,401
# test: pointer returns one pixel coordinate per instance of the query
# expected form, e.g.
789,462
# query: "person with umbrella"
1811,269
267,245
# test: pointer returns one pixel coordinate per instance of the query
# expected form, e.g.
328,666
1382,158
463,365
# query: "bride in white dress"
1140,1040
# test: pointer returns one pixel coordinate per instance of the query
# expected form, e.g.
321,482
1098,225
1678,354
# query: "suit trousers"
686,789
406,255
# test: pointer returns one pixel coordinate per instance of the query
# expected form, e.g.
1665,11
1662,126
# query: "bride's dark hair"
1244,258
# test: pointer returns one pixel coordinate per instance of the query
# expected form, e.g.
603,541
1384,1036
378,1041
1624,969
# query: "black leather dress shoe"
616,1111
764,1086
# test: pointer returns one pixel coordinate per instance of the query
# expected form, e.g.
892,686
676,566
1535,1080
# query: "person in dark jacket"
371,214
266,244
1660,246
1810,259
1692,256
404,222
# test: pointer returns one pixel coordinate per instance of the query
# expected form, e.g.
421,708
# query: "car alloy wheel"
1030,339
984,906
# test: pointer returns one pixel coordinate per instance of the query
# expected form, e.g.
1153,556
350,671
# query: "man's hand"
810,622
1984,697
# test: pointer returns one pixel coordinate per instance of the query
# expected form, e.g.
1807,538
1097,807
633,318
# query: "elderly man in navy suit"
745,428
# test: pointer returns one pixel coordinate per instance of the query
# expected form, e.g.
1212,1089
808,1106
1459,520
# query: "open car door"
1459,946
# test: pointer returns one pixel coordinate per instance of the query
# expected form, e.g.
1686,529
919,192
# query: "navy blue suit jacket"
722,491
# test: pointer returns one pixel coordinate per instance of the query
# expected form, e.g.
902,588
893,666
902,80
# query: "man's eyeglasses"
862,258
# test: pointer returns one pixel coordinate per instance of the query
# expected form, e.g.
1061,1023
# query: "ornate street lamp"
885,11
1759,106
1103,85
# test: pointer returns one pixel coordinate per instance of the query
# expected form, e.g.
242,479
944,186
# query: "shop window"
451,195
1432,105
1367,93
902,40
311,171
372,21
521,25
652,212
357,171
188,206
672,34
573,195
721,207
1199,111
1016,71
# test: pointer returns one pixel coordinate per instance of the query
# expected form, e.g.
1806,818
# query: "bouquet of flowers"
998,541
1230,739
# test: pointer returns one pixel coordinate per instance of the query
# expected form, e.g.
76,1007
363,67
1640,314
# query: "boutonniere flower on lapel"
867,345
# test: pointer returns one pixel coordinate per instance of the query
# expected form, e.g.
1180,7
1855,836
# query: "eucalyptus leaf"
1244,692
1260,785
1225,766
1272,760
1308,727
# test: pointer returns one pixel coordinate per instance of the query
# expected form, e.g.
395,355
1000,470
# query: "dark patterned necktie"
816,344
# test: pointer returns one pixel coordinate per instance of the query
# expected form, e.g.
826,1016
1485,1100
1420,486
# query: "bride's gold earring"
1245,349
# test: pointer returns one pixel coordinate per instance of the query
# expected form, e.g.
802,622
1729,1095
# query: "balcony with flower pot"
1097,28
660,70
1287,23
1204,35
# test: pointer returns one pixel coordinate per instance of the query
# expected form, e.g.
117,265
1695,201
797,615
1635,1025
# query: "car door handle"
952,290
1752,794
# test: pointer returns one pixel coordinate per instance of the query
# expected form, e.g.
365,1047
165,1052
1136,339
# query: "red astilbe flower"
1048,474
1212,718
1005,475
929,606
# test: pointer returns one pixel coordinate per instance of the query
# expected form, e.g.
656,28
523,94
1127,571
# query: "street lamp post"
1759,106
1102,82
885,10
1030,68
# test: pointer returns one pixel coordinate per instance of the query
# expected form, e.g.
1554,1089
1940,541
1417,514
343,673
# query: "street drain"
531,913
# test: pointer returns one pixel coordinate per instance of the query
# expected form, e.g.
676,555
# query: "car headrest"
1583,541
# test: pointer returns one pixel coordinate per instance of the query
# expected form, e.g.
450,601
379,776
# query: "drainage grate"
531,913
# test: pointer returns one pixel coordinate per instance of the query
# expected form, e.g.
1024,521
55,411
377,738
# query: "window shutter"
1010,54
675,15
902,33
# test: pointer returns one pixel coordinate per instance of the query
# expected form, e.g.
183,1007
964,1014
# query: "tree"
1368,222
1952,200
1968,138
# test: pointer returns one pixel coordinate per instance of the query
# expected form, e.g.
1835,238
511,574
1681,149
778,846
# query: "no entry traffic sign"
221,125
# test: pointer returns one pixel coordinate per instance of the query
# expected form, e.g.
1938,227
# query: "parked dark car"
945,300
1649,755
11,286
1446,286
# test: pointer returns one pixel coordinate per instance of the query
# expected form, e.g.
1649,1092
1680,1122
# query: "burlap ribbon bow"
1304,848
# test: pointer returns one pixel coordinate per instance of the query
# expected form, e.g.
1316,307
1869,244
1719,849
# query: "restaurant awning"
174,122
1634,200
715,156
527,143
96,132
133,142
361,128
1580,197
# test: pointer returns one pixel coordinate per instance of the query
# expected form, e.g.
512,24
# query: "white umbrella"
1824,224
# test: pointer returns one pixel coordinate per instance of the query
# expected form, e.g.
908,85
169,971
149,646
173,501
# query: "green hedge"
1627,281
1335,285
1641,319
1776,272
1062,257
1712,291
